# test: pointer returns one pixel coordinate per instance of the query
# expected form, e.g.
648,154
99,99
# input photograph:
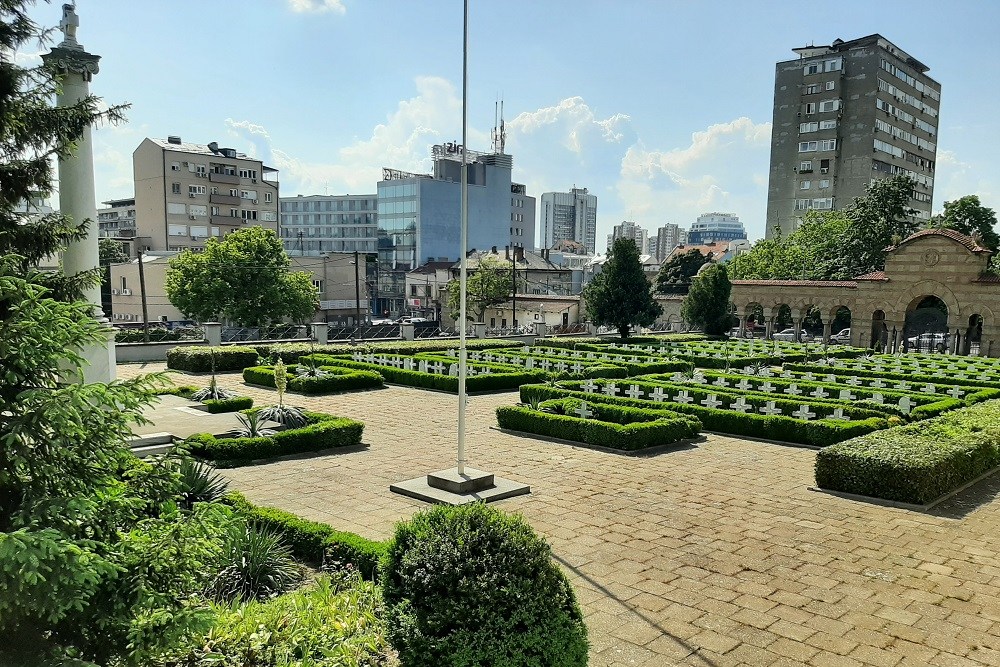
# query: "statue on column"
69,23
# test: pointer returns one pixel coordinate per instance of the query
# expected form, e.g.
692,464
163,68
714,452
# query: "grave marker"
711,401
793,389
770,409
905,404
683,397
803,413
583,412
589,387
634,391
657,394
741,405
955,392
611,389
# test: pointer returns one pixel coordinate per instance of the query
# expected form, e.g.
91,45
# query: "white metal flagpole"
465,241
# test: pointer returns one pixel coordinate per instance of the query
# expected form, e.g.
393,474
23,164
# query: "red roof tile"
850,284
874,275
967,241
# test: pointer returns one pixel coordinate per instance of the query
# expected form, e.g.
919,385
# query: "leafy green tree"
243,279
490,284
620,295
676,273
707,304
811,252
876,221
968,216
111,252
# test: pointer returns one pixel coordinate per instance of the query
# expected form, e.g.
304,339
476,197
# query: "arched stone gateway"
934,281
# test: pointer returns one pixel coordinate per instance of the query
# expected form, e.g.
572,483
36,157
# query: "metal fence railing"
240,334
365,332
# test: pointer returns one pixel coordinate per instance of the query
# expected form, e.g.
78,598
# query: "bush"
256,565
322,432
313,542
213,406
336,380
469,585
156,335
198,359
644,431
916,463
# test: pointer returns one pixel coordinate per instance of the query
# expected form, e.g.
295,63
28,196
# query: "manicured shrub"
916,463
314,542
198,359
213,406
470,586
322,432
336,379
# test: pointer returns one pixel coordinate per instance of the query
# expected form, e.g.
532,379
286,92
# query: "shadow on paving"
968,501
693,651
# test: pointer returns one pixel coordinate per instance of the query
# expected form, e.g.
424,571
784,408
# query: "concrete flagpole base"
449,487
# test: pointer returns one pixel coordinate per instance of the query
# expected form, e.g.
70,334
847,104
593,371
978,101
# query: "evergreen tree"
707,304
968,216
620,295
676,273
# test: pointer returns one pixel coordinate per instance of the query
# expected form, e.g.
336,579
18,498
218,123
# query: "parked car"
842,337
929,341
789,335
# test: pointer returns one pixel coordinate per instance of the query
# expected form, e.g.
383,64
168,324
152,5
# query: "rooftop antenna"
499,133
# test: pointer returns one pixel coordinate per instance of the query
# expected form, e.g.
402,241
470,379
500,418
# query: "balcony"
224,199
223,178
226,220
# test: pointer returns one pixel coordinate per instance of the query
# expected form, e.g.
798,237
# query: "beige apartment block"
186,193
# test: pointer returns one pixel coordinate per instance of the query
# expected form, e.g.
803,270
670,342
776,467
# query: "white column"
76,187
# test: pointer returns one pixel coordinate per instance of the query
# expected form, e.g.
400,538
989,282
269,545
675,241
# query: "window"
810,108
175,188
234,192
824,183
806,146
214,190
805,185
267,196
413,290
811,89
828,125
268,216
176,209
833,65
252,215
215,210
248,194
200,169
177,230
823,203
830,85
829,105
200,211
828,145
124,283
808,127
234,213
198,231
196,189
805,167
248,173
175,166
812,68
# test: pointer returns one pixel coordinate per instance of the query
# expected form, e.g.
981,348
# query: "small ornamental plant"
286,415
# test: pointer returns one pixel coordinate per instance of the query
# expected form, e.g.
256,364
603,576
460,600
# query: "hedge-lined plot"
327,380
212,405
602,424
200,358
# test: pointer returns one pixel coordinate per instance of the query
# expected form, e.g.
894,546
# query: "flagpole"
462,355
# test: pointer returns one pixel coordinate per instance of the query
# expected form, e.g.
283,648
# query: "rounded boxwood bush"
470,586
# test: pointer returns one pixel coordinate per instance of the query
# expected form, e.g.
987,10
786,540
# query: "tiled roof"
432,267
850,284
874,275
713,249
967,241
989,280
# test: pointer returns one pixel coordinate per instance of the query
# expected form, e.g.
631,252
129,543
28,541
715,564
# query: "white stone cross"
611,389
561,366
591,355
905,404
677,377
929,388
650,349
846,395
955,392
529,363
450,353
634,359
809,376
682,397
770,409
793,389
583,412
903,385
767,387
453,370
576,354
984,377
470,371
787,374
711,401
357,356
766,373
819,393
486,370
721,382
526,349
830,377
634,391
853,381
370,359
605,357
878,398
422,365
545,364
839,415
741,405
803,413
951,367
878,383
476,356
657,394
408,364
743,384
577,367
436,367
589,387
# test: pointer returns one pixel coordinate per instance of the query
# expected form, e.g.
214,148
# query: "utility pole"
142,297
357,291
513,299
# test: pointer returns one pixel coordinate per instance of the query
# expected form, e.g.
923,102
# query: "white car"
789,335
843,337
929,341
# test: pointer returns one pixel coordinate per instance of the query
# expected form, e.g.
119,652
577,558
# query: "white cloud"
316,6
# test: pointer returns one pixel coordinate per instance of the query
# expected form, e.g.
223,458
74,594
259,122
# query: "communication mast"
499,132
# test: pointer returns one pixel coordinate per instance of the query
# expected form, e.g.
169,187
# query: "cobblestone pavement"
717,554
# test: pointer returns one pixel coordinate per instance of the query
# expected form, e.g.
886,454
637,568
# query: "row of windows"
329,232
888,128
893,111
400,206
895,170
328,205
895,151
404,190
815,126
191,166
194,190
517,217
813,88
921,196
295,246
832,65
821,184
517,231
900,74
925,126
196,231
903,96
822,107
820,204
328,218
516,203
823,145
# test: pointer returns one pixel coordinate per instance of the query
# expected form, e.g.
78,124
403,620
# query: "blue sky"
661,108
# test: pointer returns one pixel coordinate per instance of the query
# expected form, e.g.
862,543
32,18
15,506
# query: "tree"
620,295
968,216
111,252
676,273
876,221
707,304
242,279
491,284
811,252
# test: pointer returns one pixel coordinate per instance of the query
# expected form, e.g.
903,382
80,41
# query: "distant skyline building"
668,237
844,115
116,219
569,216
316,224
522,218
716,227
630,230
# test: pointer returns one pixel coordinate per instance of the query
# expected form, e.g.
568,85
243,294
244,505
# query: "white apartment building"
630,230
316,224
187,193
569,216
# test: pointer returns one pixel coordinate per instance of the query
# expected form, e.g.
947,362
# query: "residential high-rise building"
716,227
186,193
319,224
419,215
846,114
522,218
667,238
116,219
630,230
569,216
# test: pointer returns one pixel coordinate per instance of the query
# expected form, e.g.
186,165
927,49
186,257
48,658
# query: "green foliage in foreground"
332,622
471,586
916,463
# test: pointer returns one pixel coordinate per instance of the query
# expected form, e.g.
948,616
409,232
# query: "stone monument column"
77,199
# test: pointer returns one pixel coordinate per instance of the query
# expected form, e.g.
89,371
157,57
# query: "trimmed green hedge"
816,433
641,431
886,374
198,359
337,379
322,432
211,405
314,542
916,463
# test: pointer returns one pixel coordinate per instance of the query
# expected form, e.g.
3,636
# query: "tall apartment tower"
630,230
522,218
668,237
569,216
846,114
187,193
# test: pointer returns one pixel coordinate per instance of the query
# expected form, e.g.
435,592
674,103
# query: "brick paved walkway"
712,555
